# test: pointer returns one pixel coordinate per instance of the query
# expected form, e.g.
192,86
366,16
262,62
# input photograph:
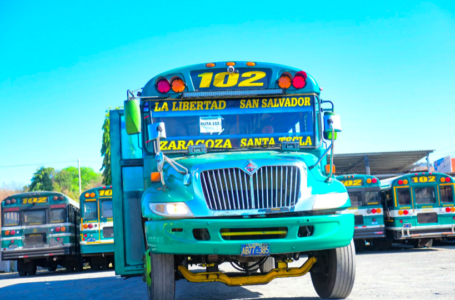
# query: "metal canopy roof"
378,162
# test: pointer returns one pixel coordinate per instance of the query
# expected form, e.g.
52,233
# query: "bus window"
386,198
58,215
372,197
90,210
425,195
356,198
404,196
446,194
106,209
11,218
35,217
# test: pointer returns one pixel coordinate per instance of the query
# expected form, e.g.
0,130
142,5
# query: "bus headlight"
173,210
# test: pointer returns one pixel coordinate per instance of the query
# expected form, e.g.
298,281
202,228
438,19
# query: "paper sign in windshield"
211,124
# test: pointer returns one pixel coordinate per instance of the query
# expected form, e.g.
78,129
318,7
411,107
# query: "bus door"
402,196
106,217
447,216
128,186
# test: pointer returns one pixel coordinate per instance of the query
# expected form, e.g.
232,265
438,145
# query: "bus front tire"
162,277
333,275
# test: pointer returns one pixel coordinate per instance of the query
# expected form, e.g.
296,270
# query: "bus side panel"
127,186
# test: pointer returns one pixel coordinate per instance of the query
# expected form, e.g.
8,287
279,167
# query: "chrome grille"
234,189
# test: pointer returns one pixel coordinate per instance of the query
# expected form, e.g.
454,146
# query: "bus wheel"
52,268
333,275
162,277
33,270
268,265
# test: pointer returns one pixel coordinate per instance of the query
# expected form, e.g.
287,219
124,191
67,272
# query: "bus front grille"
269,187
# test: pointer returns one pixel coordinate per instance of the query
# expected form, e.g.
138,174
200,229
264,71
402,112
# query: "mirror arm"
319,160
328,101
329,178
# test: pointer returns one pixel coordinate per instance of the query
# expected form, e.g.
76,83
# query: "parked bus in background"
97,227
229,167
364,193
39,229
420,208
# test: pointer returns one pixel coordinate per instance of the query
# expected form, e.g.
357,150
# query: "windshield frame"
317,125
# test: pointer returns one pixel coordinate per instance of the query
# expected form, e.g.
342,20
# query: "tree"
106,151
67,180
43,180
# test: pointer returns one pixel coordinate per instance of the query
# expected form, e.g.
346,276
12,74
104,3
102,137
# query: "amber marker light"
210,65
405,181
87,195
178,85
378,210
369,180
250,64
400,212
443,179
284,81
230,64
85,226
92,195
155,177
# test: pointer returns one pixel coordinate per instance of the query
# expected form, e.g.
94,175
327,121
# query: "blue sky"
387,65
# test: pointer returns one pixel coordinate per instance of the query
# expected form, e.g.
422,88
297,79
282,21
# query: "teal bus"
364,193
40,229
224,162
419,208
97,227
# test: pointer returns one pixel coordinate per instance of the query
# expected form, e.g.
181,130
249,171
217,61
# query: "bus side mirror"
132,116
331,121
156,131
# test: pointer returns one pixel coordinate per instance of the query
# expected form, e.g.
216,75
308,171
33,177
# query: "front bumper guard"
281,272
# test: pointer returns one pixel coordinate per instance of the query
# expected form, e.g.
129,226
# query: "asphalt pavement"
401,273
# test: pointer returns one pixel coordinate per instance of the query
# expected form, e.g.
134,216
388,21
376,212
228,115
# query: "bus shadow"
114,287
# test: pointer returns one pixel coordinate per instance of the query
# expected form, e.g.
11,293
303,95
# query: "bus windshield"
10,218
35,217
90,210
106,209
235,124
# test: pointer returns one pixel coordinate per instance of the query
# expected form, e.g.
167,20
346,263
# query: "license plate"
91,240
256,249
407,225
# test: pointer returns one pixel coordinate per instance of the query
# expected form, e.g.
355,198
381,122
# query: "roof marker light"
250,64
92,195
163,86
400,182
447,179
230,64
284,81
299,80
369,180
87,195
374,180
8,201
178,85
443,179
210,65
405,181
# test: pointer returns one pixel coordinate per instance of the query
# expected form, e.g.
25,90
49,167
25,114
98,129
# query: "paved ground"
396,274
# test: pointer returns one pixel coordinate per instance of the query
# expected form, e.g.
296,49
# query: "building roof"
379,162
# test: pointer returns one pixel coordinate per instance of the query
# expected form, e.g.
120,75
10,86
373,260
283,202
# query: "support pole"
428,162
79,167
367,165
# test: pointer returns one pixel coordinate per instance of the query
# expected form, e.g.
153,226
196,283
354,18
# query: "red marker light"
299,80
373,210
85,235
401,221
13,200
447,179
57,229
163,86
58,239
374,180
400,182
448,209
90,226
12,241
13,232
405,212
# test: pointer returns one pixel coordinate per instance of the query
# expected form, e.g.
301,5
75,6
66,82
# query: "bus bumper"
177,236
368,233
107,249
416,233
36,253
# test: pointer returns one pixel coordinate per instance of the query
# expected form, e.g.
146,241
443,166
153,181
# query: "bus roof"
387,183
105,187
258,77
42,194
